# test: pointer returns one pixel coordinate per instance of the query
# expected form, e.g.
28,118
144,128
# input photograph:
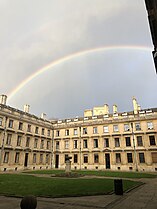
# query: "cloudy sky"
36,33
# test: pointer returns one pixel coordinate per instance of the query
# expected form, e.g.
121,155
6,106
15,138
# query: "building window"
29,128
85,158
10,125
137,126
57,145
85,144
67,132
129,157
42,144
17,155
75,131
115,128
126,127
96,158
118,158
152,140
95,130
105,129
20,126
36,130
66,157
48,132
117,142
75,158
1,119
27,141
84,130
75,144
48,145
57,133
128,141
106,142
43,131
41,158
139,141
95,143
35,143
66,144
141,157
34,158
19,140
9,136
149,125
6,157
47,158
154,157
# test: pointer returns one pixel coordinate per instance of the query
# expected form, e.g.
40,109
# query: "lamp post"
135,154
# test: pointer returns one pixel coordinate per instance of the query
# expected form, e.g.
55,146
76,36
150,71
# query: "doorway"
26,160
107,159
57,161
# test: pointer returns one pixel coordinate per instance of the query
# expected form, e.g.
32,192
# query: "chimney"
3,99
115,110
43,115
106,109
135,105
26,108
139,107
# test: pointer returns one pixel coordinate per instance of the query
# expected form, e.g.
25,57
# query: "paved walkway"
143,197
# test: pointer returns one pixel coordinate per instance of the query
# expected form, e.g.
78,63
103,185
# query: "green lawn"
21,184
100,173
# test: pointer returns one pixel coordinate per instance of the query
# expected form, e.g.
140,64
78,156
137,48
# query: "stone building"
98,140
25,140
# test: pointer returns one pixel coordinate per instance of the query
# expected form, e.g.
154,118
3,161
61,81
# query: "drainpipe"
80,147
135,154
52,149
3,140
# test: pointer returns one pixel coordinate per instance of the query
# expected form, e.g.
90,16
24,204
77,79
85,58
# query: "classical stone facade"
99,140
25,140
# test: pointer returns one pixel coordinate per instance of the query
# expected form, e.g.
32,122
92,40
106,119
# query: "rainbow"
69,57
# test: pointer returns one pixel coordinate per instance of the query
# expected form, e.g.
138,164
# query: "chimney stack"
43,116
135,105
26,108
106,109
3,99
115,110
139,107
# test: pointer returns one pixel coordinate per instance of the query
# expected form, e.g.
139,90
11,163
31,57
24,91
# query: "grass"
105,173
21,184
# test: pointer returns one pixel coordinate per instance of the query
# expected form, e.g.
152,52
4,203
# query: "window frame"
96,143
141,157
150,140
129,157
117,142
128,143
106,143
115,128
139,141
105,129
118,158
126,127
